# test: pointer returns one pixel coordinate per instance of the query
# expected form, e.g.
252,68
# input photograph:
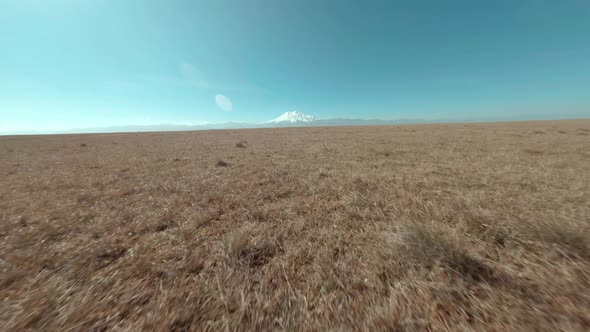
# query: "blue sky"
87,63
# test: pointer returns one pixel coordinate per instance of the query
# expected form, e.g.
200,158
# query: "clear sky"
88,63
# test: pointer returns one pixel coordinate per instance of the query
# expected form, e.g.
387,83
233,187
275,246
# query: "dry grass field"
399,228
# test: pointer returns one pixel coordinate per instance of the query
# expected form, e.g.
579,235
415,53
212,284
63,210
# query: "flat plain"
482,226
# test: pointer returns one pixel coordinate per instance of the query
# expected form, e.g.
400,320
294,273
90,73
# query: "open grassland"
442,227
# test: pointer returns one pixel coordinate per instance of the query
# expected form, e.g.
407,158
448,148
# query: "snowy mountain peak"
293,117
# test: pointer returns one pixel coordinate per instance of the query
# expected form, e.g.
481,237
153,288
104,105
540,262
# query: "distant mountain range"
288,119
298,119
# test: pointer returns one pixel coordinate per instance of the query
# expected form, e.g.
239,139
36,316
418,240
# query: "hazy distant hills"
297,120
288,119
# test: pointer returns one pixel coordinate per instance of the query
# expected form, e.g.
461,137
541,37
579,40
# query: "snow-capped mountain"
293,117
289,119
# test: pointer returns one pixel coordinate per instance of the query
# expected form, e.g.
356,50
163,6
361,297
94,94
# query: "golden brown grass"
441,227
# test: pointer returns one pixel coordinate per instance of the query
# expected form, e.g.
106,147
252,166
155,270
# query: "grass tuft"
221,163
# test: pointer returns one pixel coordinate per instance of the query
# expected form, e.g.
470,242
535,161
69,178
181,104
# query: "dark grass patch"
257,255
128,191
166,221
533,152
221,163
164,225
428,247
574,240
254,253
193,264
385,153
182,324
109,255
10,278
86,198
